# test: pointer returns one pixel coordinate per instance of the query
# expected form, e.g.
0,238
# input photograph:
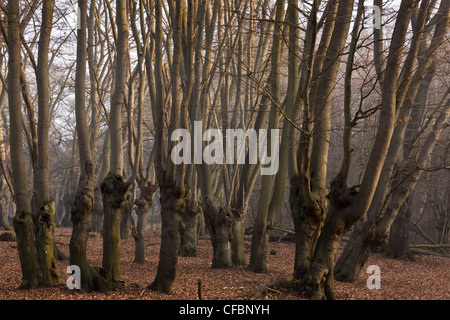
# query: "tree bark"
138,232
171,212
346,205
46,209
143,205
23,220
237,239
189,243
217,214
5,192
398,244
97,214
372,234
83,204
170,177
114,187
5,196
268,211
308,204
219,221
125,218
114,196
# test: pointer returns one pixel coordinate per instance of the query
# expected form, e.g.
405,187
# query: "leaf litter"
426,279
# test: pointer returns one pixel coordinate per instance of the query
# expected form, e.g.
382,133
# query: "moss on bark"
114,191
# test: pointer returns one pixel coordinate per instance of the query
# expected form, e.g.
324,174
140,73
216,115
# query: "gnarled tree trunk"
348,205
171,177
190,233
374,232
114,187
83,205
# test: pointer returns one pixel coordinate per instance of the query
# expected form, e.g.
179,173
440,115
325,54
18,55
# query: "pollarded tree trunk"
189,243
308,201
114,187
23,220
348,205
46,209
269,206
308,216
239,191
173,207
81,215
356,253
45,244
339,183
218,222
375,231
307,192
317,240
405,182
114,194
171,177
318,282
83,204
217,216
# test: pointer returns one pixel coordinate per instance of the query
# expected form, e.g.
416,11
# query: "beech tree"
40,216
5,183
347,100
81,211
145,177
270,207
346,204
23,219
375,230
170,177
45,214
114,187
318,234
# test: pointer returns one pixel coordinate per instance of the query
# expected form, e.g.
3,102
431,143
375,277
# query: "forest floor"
428,278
